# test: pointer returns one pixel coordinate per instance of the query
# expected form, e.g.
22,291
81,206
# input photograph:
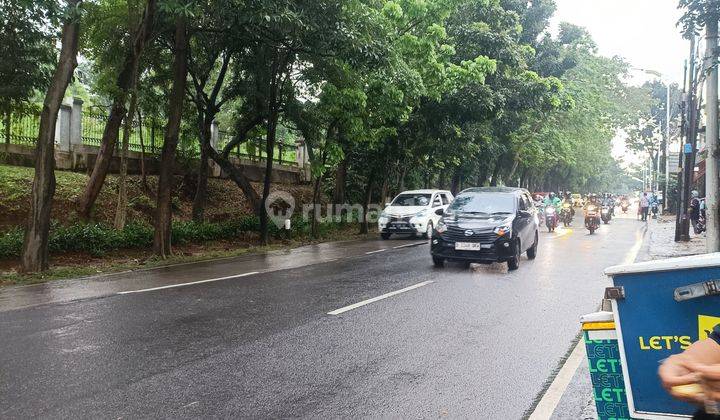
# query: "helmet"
695,194
552,194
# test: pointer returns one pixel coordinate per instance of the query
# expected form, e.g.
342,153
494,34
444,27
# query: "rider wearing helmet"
552,200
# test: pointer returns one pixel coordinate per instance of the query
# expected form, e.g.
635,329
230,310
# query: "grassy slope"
225,199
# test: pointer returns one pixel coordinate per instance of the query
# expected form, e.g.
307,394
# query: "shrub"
97,239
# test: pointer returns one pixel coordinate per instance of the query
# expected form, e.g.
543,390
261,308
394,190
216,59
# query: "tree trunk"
163,217
269,148
340,180
384,189
198,211
403,172
117,114
314,231
121,211
455,182
7,126
364,225
495,175
513,168
143,174
238,176
35,244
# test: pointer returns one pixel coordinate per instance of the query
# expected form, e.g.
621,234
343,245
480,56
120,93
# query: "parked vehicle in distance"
577,200
413,212
486,225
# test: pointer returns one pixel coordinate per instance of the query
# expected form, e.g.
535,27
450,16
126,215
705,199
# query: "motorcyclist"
609,202
568,200
592,199
552,200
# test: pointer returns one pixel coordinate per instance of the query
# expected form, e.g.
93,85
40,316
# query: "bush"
97,239
11,243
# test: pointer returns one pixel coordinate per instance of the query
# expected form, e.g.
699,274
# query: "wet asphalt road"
477,342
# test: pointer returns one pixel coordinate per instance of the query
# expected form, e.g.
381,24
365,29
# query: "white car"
413,212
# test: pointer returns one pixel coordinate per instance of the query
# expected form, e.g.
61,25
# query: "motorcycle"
551,218
566,214
606,214
654,208
541,214
625,205
592,219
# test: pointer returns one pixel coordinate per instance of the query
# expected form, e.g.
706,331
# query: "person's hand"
679,370
709,376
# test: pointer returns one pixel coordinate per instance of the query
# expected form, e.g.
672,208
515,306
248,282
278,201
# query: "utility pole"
667,147
682,227
711,109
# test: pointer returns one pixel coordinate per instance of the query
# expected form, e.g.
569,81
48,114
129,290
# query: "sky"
644,32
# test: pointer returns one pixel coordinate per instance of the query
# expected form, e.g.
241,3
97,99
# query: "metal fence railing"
254,149
20,129
146,137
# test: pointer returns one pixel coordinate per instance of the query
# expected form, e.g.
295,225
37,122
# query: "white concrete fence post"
62,128
76,123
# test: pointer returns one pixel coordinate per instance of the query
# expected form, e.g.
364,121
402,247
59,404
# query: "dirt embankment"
225,199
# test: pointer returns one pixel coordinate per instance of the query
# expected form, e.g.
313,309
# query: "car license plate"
467,246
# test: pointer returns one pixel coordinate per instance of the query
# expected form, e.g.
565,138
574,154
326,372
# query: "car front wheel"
532,251
514,262
428,232
439,262
385,236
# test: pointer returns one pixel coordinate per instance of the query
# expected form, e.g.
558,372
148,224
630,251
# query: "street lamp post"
667,137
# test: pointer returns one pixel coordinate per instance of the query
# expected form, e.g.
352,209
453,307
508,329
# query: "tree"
123,85
27,45
35,243
162,244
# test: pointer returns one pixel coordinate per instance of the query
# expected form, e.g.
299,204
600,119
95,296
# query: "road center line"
381,297
409,245
376,251
172,286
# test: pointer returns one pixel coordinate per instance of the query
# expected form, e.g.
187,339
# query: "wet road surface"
479,342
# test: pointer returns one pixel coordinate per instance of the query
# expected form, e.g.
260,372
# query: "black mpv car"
486,225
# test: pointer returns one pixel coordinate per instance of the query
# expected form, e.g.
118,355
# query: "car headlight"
441,227
421,213
503,230
384,214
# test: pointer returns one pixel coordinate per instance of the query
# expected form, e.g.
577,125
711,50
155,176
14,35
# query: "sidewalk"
577,402
660,241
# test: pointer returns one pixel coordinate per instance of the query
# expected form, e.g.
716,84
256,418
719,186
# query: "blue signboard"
687,148
653,325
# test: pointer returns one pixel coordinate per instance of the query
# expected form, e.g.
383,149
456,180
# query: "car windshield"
411,200
484,204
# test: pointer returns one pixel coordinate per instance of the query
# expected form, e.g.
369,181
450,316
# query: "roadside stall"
659,308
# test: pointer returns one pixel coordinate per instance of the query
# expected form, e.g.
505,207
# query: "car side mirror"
524,213
387,204
439,212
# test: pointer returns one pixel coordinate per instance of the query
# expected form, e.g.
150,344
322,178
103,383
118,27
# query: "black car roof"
506,190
